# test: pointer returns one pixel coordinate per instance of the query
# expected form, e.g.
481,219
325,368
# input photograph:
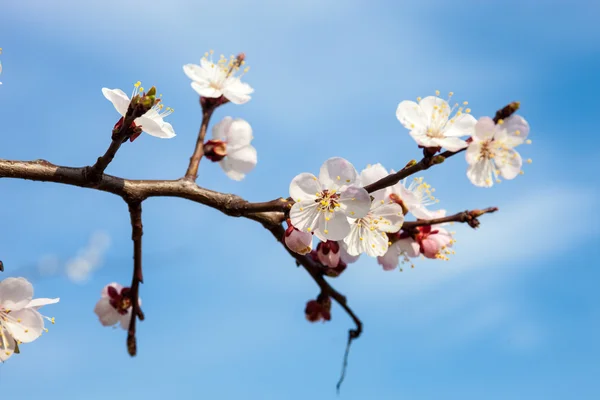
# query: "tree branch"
135,213
192,171
470,217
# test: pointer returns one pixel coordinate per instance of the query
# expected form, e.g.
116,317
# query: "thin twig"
192,171
135,212
469,217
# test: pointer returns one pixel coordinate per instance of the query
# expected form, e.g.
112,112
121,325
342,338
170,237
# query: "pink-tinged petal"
430,248
484,129
125,319
236,91
473,153
509,163
7,345
452,143
421,212
344,256
372,174
355,202
330,259
428,106
37,303
299,242
238,135
239,162
409,247
387,217
118,99
220,130
332,226
411,116
15,293
25,325
106,313
513,131
480,173
443,238
118,287
463,125
205,90
305,186
390,260
305,215
337,172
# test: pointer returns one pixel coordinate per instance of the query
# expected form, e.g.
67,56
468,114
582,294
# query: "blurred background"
515,314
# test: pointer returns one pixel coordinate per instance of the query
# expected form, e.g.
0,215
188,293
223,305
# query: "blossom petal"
153,124
118,98
205,90
463,125
473,153
411,116
387,217
220,129
428,106
509,163
15,293
355,202
305,215
332,226
443,238
299,242
337,172
480,173
236,91
408,247
7,345
305,186
344,256
195,72
390,260
240,162
452,143
106,313
118,287
515,129
485,129
25,325
125,319
239,134
37,303
372,174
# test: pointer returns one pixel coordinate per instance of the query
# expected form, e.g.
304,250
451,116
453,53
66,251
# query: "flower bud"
318,310
337,271
438,159
328,253
215,150
297,241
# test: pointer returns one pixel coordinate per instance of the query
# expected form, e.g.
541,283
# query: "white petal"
37,303
480,173
510,127
195,72
355,202
299,242
332,226
452,143
305,186
106,313
372,174
484,129
7,345
118,98
220,130
473,153
237,91
240,162
344,256
463,125
239,134
153,125
205,90
443,238
337,172
305,215
125,319
411,116
509,163
25,325
409,247
387,217
429,103
15,293
423,140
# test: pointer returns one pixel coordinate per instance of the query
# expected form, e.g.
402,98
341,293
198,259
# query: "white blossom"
115,305
231,147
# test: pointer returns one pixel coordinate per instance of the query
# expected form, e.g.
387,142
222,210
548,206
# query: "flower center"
328,201
121,301
422,191
441,117
226,67
215,150
158,107
486,150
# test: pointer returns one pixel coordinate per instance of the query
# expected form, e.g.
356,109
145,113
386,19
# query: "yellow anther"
437,92
468,110
326,231
529,161
528,141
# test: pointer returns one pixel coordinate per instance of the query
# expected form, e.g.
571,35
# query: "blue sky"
515,314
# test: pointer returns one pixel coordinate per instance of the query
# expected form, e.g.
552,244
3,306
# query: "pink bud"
430,248
297,241
328,253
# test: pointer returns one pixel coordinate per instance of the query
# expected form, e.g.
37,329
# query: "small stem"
135,212
192,171
465,216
